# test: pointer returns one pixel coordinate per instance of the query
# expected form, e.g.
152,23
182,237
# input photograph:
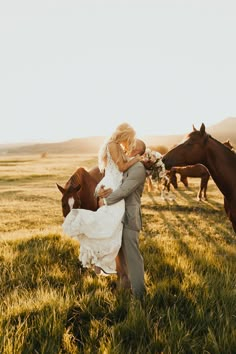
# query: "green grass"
50,305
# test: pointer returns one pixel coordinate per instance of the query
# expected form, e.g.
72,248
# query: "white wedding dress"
99,232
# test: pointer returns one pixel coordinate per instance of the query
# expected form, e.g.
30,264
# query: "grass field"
50,305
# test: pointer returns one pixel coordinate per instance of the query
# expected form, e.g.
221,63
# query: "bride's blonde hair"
124,135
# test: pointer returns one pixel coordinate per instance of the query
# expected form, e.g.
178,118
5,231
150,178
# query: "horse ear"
194,129
61,189
202,129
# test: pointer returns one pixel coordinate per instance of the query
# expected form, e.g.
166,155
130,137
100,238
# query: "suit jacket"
131,190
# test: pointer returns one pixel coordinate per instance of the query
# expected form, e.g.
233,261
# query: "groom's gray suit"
131,190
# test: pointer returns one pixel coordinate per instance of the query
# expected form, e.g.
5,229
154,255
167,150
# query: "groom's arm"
136,176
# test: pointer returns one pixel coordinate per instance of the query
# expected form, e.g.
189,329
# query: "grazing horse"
197,170
79,190
228,144
200,147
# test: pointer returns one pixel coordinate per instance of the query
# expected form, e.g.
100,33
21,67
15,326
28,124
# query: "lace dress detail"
99,232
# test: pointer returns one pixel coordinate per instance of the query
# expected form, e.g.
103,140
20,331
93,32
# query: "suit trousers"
133,261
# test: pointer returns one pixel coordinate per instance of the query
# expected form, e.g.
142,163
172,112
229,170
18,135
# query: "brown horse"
228,144
197,170
200,147
79,190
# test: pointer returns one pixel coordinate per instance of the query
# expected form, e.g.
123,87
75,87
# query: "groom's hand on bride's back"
104,192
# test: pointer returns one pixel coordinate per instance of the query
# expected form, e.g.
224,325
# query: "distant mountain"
221,131
74,146
224,130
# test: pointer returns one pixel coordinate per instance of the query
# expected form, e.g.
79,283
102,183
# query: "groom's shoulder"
137,166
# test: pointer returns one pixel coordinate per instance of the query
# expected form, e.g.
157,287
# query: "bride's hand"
138,157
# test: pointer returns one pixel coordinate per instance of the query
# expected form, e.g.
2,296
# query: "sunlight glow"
82,73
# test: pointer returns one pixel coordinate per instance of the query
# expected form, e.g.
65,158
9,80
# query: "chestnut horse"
200,147
197,170
228,144
79,190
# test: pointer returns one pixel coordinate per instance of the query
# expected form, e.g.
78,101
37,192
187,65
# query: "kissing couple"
109,237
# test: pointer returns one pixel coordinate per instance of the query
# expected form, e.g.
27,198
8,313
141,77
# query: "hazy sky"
79,68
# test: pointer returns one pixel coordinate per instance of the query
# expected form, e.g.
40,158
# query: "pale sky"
71,69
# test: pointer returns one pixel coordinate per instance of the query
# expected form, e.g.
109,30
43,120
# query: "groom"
129,262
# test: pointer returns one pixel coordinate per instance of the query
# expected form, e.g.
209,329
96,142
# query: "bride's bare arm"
118,157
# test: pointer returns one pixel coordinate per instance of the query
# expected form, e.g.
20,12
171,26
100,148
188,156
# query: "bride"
100,232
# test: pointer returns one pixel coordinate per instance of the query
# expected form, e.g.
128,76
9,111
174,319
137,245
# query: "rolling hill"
226,129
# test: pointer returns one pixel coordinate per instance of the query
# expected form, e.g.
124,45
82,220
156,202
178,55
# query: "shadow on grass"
60,304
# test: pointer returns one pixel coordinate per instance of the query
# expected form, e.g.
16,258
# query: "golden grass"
49,304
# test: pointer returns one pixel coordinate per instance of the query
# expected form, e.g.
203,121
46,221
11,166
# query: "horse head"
70,198
190,151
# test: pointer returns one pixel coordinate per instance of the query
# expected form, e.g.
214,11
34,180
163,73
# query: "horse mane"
221,144
75,179
207,136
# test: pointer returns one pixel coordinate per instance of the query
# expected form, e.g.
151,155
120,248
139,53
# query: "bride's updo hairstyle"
124,135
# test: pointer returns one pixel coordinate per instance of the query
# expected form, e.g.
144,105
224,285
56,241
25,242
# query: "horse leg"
203,188
163,192
232,216
149,182
204,192
184,180
230,210
166,184
204,184
199,195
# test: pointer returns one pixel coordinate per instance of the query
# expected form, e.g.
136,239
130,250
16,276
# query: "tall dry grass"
49,304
